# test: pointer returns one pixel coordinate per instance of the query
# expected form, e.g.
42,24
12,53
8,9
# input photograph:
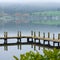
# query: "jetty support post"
18,37
48,37
58,38
28,40
34,37
53,39
39,36
5,37
43,37
53,36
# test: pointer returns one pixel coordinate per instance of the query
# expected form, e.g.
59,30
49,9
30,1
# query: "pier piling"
44,37
53,36
53,39
39,36
5,37
19,37
48,37
34,37
58,38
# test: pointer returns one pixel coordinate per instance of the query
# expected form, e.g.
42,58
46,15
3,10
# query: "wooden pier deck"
37,38
33,38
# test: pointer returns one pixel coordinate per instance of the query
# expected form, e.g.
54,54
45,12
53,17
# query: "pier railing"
33,38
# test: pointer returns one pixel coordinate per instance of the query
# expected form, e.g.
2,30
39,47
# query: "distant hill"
36,14
46,13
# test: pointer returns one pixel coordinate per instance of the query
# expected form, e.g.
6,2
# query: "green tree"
52,54
48,55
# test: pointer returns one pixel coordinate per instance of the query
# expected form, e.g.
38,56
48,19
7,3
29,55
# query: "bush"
48,55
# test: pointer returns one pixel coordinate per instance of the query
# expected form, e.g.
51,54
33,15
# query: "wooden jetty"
32,38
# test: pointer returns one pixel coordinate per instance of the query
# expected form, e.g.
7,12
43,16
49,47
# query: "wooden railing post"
53,36
6,34
34,34
48,37
58,38
5,37
39,36
34,37
48,34
43,37
20,36
31,33
53,39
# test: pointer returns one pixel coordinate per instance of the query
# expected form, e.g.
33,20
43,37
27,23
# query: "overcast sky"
30,1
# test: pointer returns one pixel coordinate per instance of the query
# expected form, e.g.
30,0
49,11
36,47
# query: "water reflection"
19,46
5,47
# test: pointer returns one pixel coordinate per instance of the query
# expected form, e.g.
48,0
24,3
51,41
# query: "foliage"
15,57
48,55
52,55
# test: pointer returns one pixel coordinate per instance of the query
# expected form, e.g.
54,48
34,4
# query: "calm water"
26,30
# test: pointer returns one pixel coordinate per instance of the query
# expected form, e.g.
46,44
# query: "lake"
7,52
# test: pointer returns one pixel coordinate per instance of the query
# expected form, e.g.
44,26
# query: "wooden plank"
41,38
